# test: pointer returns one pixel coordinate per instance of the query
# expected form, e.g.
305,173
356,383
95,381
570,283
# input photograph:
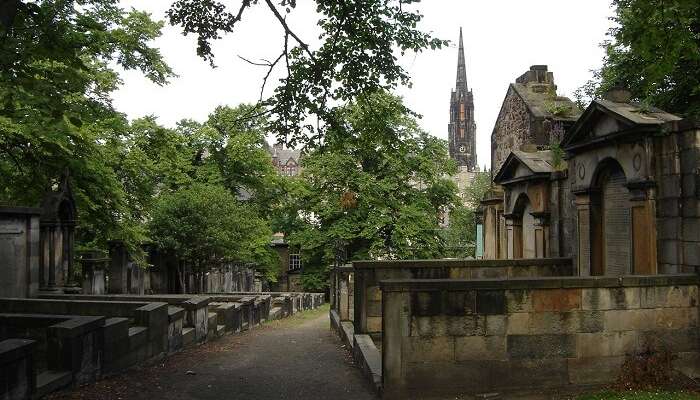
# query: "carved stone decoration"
58,219
637,162
581,171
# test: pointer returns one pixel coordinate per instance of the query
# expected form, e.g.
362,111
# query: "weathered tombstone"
93,265
58,217
19,251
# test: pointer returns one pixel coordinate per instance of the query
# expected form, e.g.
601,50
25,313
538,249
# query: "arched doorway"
521,235
611,234
528,232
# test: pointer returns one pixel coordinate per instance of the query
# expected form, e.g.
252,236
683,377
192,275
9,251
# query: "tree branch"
287,30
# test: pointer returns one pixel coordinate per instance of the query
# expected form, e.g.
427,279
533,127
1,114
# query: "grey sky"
502,38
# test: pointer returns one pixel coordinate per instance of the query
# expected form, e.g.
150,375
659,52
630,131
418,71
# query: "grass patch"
301,317
633,395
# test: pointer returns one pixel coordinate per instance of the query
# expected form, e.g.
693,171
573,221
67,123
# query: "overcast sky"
502,38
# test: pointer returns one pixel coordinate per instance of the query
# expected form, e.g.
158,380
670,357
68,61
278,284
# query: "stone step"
50,381
212,323
187,336
275,313
220,330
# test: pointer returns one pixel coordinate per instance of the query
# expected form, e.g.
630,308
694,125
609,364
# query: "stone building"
462,128
461,131
614,188
532,117
286,161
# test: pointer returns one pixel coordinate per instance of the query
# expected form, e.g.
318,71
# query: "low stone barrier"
17,376
475,336
367,314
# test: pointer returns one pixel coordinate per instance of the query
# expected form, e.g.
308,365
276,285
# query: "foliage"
56,74
206,224
655,52
375,190
557,154
357,54
460,235
239,152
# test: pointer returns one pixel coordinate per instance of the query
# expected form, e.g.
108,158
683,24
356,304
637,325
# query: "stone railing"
475,336
367,274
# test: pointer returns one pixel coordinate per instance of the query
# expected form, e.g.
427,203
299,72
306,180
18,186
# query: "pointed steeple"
461,65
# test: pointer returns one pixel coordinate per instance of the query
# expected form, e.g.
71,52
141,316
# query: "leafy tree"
375,189
654,51
205,226
357,53
241,155
460,235
56,74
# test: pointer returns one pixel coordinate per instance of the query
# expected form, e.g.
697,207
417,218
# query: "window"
294,262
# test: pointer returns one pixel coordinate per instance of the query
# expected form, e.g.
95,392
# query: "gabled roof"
538,163
630,114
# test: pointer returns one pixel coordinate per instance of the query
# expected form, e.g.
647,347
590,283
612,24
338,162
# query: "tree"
359,44
655,52
56,75
205,226
460,235
376,189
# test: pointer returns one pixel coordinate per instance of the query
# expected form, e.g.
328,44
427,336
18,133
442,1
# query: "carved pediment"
521,165
605,118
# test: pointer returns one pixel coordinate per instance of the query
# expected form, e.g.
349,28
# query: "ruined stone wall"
678,201
543,332
512,129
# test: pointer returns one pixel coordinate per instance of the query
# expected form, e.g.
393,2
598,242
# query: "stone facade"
444,337
618,192
286,161
532,114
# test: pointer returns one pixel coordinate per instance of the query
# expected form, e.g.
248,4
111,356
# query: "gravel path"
296,358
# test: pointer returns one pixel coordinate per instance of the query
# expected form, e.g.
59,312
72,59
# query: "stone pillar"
52,258
583,228
514,234
643,209
479,245
541,235
93,265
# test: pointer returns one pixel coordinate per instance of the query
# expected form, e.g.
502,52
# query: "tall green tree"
375,190
205,226
56,76
654,50
356,53
460,234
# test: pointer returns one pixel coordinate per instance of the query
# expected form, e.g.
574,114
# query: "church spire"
461,65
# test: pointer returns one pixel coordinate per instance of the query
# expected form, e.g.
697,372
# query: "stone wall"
460,336
368,298
511,129
678,200
19,251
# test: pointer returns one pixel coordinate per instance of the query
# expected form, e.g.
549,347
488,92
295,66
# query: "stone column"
643,209
52,259
583,225
514,234
541,234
